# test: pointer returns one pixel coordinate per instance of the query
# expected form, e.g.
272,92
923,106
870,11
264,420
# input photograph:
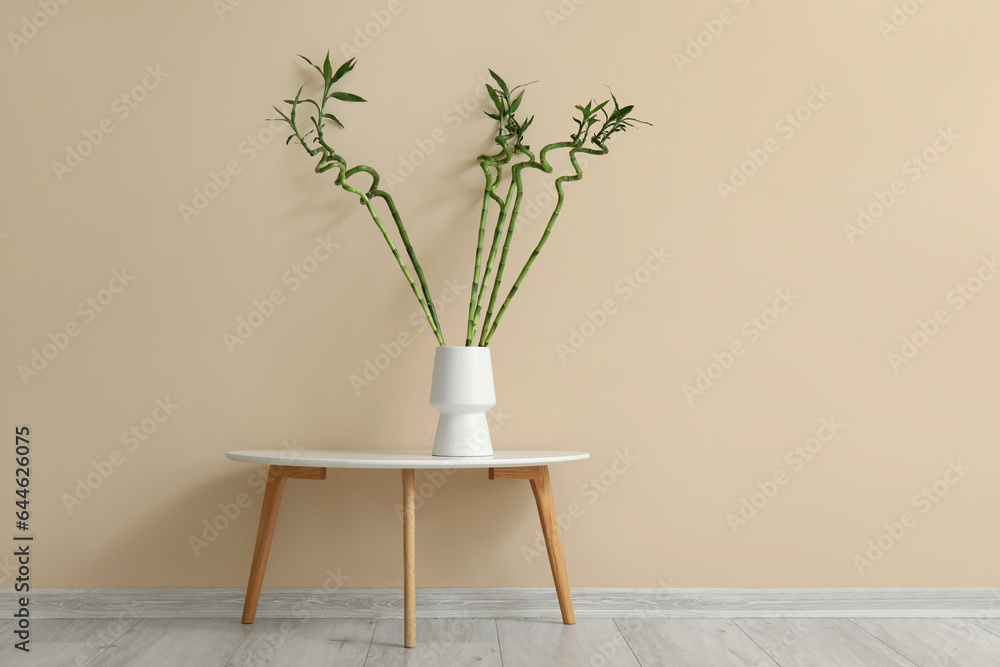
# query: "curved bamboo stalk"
424,300
516,176
548,230
329,159
478,290
543,165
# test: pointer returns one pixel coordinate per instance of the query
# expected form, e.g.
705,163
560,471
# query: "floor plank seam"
114,641
735,622
229,660
371,640
625,639
975,622
496,628
882,641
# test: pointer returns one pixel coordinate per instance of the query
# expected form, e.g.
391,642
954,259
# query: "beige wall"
665,512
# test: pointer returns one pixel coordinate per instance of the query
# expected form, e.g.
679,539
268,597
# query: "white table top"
401,459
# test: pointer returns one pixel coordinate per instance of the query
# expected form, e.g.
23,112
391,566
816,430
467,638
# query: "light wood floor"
758,642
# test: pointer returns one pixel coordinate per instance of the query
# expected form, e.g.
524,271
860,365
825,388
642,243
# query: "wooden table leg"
276,477
541,487
409,562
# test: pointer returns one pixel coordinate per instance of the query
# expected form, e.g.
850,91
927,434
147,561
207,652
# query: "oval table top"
401,459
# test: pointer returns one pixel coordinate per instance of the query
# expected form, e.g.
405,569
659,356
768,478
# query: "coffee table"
285,465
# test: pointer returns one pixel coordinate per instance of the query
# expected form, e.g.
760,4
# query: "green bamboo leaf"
289,139
327,70
295,104
495,98
500,82
344,69
282,114
348,97
296,100
516,103
493,116
311,63
333,118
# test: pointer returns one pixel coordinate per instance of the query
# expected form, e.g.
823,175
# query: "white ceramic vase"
462,391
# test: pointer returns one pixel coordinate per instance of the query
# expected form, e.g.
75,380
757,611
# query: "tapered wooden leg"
277,476
409,562
541,487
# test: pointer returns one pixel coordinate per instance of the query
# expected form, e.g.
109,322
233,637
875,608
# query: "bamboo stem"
426,306
494,247
508,139
548,229
496,161
516,175
471,329
329,159
433,318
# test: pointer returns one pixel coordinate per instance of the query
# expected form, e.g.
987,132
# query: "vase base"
462,456
463,434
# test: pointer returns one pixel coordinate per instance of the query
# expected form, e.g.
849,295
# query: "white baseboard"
517,602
